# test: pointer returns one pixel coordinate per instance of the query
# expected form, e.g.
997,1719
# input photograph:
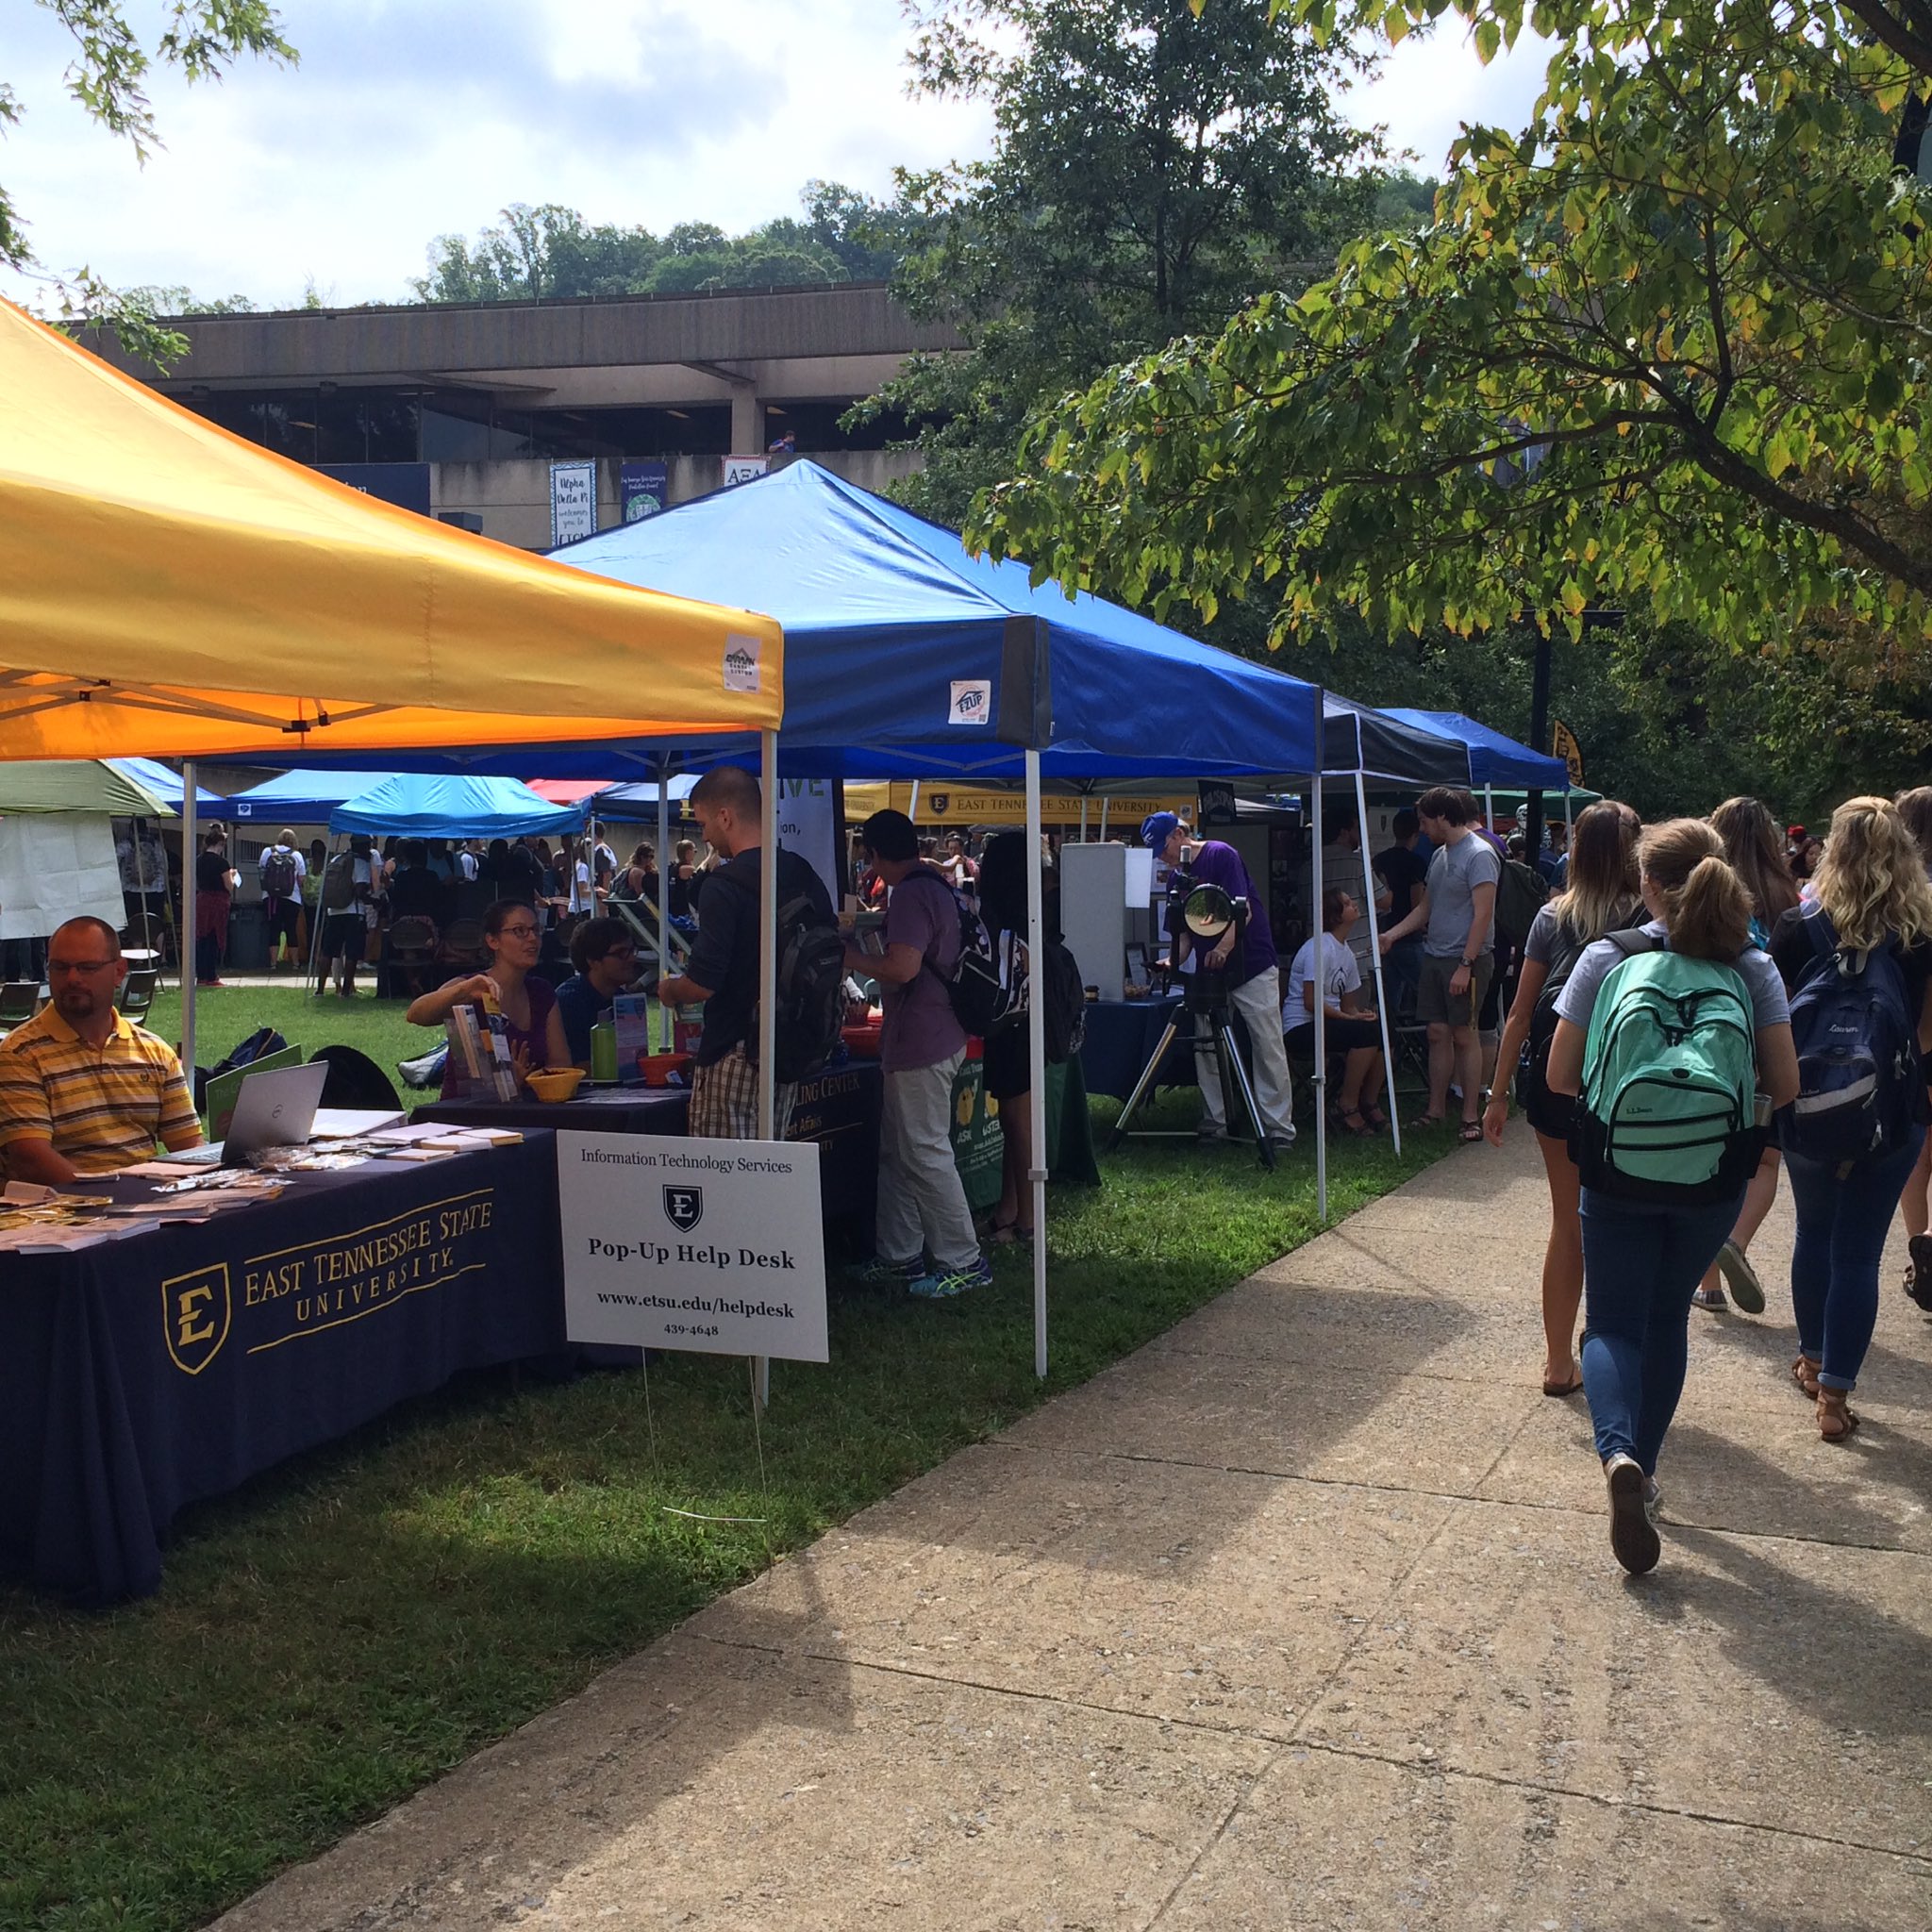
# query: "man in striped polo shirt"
82,1088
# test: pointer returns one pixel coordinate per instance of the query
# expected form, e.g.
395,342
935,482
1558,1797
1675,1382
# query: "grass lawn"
363,1618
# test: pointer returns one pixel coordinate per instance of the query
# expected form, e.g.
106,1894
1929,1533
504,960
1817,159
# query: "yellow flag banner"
1563,746
940,804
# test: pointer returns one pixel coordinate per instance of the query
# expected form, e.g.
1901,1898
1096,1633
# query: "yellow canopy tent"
171,591
167,589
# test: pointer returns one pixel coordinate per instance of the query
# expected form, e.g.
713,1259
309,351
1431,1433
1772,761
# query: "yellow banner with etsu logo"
936,803
268,1300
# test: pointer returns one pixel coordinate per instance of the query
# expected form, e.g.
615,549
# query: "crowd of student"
1699,1008
1693,1015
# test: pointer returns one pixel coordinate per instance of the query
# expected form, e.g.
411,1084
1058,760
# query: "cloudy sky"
411,118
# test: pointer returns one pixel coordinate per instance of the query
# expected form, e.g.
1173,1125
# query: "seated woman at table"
1351,1027
506,986
605,957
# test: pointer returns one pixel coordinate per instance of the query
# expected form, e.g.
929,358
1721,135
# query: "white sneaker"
1633,1535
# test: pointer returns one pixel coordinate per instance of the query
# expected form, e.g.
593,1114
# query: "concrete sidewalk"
1303,1617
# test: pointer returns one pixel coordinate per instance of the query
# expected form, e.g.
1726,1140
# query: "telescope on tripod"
1209,916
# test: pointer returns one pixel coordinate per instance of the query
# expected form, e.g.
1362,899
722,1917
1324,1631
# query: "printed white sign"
804,826
573,502
972,700
714,1245
744,470
741,663
55,866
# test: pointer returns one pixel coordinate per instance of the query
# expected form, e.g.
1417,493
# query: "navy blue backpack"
1859,1076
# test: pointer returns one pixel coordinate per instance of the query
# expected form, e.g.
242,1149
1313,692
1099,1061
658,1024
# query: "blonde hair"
1602,876
1756,851
1871,880
1707,908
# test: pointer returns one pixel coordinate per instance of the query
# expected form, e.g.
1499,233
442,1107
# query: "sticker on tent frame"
972,700
742,663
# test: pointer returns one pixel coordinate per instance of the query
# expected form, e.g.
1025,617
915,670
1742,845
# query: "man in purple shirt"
1254,981
924,1239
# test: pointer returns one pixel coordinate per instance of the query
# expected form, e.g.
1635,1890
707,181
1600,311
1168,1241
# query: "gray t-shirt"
1455,871
1578,1001
1547,940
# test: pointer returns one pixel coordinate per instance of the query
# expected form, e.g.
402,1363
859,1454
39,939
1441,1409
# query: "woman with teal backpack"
1667,1035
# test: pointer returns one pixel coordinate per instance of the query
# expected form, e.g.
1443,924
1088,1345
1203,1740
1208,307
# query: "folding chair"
137,992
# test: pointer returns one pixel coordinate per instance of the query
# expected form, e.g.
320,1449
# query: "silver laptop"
274,1108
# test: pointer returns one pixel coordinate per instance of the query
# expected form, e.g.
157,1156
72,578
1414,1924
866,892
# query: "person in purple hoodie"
1254,976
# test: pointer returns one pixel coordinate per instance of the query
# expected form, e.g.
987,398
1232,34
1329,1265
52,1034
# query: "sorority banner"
744,470
642,489
573,502
714,1245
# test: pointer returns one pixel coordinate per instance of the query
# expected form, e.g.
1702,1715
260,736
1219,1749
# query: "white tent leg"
1103,818
768,985
1489,806
1361,818
1035,1056
189,921
1083,818
664,871
1321,1018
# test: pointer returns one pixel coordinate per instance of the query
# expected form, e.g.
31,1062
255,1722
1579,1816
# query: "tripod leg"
1141,1088
1231,1064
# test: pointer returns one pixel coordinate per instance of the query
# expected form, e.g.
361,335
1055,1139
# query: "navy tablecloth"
839,1109
1122,1034
146,1373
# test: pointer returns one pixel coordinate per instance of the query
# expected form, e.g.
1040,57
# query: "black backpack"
339,883
811,989
1521,892
1063,1004
980,1004
278,872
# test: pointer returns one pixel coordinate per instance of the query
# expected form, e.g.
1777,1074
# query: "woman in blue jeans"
1642,1259
1871,886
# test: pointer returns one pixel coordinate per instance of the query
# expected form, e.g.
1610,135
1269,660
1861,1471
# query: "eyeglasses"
81,966
516,932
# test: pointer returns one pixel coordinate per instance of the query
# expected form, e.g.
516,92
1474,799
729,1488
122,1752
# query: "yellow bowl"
556,1083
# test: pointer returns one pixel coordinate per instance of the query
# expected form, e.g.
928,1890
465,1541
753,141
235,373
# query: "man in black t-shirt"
723,971
1403,871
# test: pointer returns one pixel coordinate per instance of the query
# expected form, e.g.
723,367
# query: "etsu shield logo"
939,801
684,1206
197,1310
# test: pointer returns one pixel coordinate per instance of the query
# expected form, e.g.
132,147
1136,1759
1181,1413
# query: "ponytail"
1707,907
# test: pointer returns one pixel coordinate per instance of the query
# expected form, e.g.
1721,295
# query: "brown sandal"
1834,1410
1805,1374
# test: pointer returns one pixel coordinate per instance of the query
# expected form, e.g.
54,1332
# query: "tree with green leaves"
1151,172
108,77
531,252
1664,350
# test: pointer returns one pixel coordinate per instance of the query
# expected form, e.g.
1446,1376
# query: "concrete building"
460,412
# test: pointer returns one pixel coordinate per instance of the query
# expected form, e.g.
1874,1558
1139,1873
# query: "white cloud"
411,118
1434,83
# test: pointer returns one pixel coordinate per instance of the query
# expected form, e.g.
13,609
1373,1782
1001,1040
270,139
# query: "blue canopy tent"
410,804
305,797
159,782
1494,761
907,657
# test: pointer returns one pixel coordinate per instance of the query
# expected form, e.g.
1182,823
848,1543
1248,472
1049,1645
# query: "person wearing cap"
1254,976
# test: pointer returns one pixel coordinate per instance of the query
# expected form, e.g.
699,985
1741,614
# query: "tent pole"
1320,985
1083,818
188,923
1489,808
665,871
1102,817
768,985
1362,819
1035,1054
